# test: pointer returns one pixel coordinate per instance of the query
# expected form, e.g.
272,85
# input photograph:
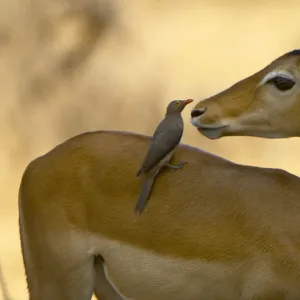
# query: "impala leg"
61,281
57,267
103,289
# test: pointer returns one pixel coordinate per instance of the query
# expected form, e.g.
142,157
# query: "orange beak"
186,102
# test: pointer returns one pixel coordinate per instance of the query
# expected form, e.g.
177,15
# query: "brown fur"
212,211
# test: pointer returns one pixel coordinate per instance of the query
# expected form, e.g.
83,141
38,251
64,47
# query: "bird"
165,139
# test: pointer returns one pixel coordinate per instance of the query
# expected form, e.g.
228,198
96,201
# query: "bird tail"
144,194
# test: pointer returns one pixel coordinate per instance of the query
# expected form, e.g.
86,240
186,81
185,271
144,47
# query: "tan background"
67,67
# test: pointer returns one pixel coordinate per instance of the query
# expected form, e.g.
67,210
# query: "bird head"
177,106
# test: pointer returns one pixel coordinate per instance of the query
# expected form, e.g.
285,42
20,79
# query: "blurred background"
70,66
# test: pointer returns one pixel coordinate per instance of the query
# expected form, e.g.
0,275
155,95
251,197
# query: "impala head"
266,104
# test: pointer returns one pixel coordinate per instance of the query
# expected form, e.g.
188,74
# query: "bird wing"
166,137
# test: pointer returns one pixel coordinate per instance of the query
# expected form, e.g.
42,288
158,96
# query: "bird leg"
175,167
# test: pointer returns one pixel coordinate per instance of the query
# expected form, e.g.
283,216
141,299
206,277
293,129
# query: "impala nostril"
197,112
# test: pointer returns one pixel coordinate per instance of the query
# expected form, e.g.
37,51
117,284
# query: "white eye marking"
274,74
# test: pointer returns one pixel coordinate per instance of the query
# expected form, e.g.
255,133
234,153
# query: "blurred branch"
4,289
65,40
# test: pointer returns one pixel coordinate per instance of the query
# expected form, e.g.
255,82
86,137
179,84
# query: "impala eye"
282,83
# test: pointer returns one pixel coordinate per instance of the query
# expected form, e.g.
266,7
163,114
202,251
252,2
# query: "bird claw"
179,166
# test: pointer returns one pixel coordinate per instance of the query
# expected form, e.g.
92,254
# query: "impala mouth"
210,127
210,131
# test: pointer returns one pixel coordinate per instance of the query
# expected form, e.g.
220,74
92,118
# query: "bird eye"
282,83
177,103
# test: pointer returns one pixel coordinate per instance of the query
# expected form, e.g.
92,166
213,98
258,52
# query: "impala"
213,230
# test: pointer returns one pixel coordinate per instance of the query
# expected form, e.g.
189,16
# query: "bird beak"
186,102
